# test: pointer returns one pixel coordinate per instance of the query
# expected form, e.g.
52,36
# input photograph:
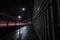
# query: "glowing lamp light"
19,17
23,9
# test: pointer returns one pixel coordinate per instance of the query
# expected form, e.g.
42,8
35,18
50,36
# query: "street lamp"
19,17
23,9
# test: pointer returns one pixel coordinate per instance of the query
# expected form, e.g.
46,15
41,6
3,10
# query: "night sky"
13,7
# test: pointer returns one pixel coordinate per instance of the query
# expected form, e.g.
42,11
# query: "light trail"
4,23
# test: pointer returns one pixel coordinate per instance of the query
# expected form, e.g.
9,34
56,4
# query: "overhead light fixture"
19,17
23,9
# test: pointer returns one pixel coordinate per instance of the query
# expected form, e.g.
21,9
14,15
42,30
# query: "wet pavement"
27,33
24,33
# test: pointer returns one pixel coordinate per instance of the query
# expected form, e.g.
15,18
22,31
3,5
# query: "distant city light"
23,9
19,17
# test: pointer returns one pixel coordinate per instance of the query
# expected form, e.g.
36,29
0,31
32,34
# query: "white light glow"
23,9
19,17
23,29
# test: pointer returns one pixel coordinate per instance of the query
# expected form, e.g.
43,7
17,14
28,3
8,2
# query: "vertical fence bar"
15,23
7,23
19,23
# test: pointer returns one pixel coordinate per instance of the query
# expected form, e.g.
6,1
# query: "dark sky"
13,7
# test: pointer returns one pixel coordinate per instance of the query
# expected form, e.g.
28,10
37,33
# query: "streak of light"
2,24
12,24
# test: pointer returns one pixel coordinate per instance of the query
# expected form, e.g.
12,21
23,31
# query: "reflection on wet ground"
27,33
24,33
